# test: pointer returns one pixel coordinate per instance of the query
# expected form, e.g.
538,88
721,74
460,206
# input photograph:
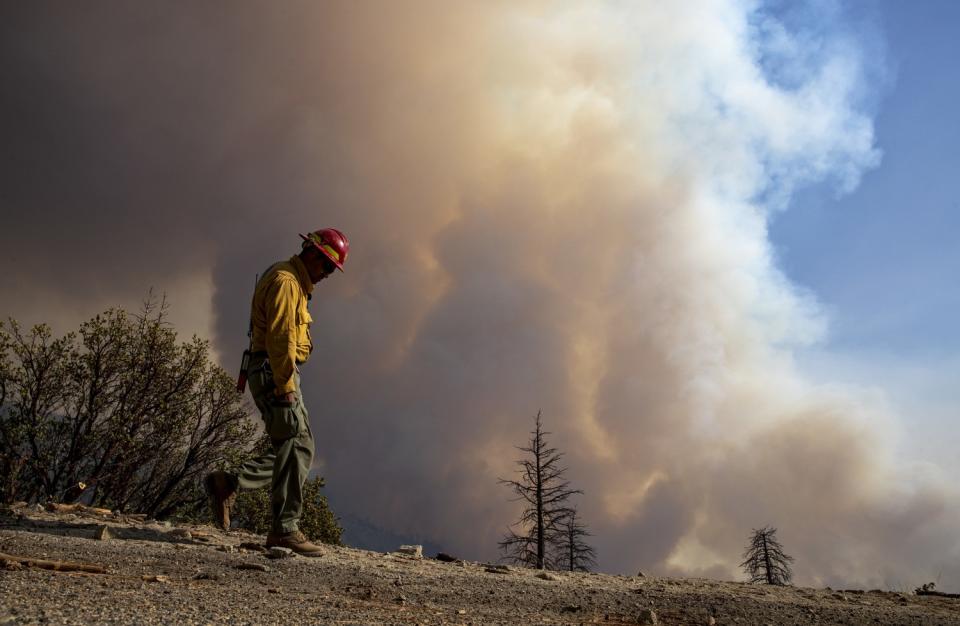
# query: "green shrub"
122,406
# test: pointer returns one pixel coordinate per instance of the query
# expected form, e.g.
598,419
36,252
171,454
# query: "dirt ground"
161,574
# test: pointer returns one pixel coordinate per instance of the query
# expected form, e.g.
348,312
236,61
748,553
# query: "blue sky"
883,260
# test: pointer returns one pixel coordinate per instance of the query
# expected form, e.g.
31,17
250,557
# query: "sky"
708,241
882,260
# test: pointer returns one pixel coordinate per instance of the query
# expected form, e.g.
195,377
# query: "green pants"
286,466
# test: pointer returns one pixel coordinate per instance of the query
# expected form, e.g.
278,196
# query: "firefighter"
280,343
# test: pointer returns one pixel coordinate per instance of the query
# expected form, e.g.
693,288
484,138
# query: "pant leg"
258,472
287,466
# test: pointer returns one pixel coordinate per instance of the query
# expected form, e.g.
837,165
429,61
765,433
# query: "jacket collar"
302,274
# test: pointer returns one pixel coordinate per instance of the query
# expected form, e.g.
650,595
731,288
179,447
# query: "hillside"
155,573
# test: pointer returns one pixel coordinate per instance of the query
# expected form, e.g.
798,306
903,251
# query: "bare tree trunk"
766,561
541,543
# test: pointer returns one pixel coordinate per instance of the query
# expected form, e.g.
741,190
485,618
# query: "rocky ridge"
141,571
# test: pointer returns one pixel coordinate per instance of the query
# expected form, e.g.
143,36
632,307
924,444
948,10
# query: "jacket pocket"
304,320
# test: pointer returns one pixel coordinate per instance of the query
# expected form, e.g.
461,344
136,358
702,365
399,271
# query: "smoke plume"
551,206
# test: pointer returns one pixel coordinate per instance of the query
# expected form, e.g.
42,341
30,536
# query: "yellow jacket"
281,322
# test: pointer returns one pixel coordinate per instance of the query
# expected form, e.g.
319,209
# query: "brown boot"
296,541
222,489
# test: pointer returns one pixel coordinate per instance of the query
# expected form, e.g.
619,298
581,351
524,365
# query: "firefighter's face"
319,265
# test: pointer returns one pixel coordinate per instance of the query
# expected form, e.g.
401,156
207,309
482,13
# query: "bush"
251,511
118,414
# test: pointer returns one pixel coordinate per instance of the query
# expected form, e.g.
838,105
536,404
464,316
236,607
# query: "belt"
262,354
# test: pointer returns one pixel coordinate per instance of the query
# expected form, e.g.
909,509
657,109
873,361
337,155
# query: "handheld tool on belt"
245,360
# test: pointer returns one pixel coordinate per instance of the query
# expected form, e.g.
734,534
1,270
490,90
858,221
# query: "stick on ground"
57,566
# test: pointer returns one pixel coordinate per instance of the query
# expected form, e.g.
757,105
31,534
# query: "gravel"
155,576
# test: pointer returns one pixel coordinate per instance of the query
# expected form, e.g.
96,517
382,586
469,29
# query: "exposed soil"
156,574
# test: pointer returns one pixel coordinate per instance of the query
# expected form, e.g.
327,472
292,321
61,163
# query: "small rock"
401,599
258,567
38,508
641,575
647,616
398,582
206,576
276,552
711,621
571,608
253,547
179,533
273,590
497,569
547,576
446,558
461,611
414,551
229,549
103,534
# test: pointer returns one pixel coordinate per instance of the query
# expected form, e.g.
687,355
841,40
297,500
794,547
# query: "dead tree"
573,553
545,492
764,559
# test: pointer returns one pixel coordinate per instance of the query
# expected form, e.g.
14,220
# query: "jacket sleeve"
281,337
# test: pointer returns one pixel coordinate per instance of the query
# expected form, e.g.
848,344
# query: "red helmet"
331,242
